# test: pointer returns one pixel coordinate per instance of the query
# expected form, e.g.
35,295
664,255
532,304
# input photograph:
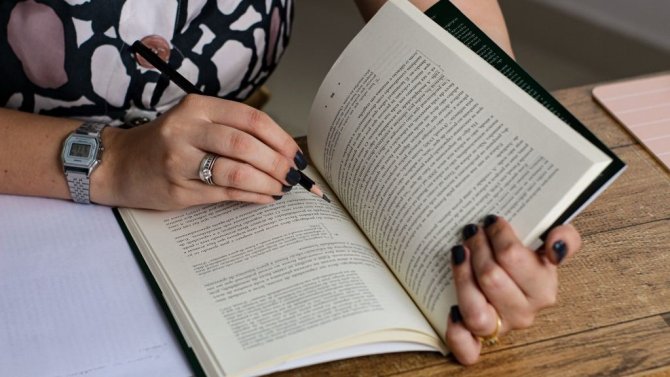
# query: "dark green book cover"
451,19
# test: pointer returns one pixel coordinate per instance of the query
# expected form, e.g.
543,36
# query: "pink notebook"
643,107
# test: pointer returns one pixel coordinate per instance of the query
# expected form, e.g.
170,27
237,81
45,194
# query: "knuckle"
550,300
279,166
256,119
240,143
510,255
240,196
287,143
170,128
166,130
190,101
237,176
491,277
524,321
478,322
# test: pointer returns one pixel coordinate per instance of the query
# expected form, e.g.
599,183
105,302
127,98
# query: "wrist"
104,180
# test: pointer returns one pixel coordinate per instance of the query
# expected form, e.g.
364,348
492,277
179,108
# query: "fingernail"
300,160
560,250
277,197
285,188
469,231
293,177
457,255
455,314
490,220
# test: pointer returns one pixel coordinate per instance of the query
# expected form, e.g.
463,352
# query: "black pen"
174,76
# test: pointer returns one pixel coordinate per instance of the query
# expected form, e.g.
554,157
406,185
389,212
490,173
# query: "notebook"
643,107
73,299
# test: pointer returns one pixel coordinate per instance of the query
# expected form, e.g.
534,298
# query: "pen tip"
325,198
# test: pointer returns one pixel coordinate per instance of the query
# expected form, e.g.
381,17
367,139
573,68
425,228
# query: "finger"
195,192
242,176
562,242
478,315
241,146
223,194
249,120
460,341
500,290
535,277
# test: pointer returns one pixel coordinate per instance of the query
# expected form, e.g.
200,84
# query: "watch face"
80,151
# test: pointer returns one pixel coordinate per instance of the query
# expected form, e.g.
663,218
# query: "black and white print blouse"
71,58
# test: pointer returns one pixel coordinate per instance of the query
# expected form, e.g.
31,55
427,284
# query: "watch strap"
91,129
78,180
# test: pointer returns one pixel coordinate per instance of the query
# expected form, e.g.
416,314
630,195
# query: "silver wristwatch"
82,153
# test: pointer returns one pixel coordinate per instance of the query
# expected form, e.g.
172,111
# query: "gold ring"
491,340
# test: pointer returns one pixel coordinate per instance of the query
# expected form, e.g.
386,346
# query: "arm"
485,13
30,147
155,165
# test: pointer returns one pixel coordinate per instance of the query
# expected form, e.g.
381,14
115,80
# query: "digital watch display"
80,150
82,153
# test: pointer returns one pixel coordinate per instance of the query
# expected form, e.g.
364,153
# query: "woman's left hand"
496,276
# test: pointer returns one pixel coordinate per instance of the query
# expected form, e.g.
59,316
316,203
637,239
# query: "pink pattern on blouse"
36,35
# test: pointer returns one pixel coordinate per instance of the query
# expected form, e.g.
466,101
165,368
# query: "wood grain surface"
613,314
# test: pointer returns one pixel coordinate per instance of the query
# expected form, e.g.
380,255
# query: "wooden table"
613,314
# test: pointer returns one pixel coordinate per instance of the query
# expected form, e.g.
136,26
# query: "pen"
139,48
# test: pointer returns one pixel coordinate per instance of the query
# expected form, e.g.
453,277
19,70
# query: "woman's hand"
156,165
497,277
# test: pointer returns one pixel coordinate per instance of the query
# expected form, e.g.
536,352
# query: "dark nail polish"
285,188
300,160
490,220
457,255
560,250
455,314
293,177
277,197
469,231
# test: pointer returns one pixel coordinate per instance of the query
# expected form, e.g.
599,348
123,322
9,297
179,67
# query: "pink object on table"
643,107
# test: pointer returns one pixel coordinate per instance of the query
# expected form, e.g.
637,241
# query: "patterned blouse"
71,58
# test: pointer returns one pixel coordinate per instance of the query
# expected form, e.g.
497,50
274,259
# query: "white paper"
73,300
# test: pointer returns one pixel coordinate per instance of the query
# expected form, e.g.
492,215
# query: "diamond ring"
207,168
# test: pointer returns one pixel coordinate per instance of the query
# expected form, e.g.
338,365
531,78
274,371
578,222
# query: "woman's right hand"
156,165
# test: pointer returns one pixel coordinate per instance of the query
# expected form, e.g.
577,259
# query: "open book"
413,135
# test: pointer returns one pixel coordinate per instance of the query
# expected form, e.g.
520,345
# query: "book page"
418,137
274,283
